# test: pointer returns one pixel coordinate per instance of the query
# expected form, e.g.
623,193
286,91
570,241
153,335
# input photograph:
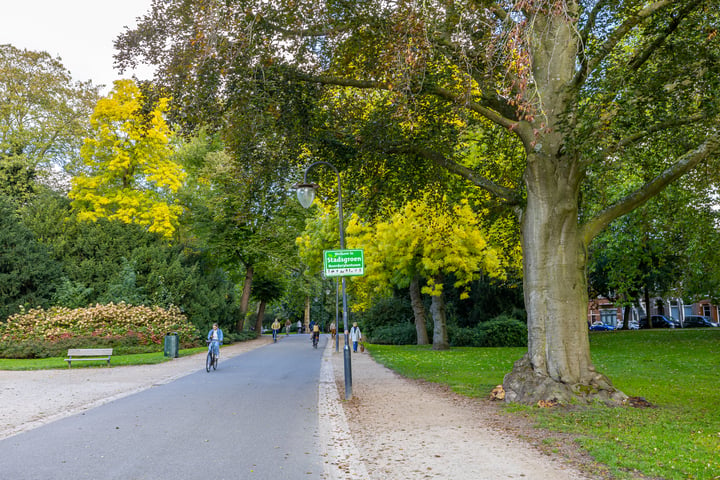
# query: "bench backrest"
89,352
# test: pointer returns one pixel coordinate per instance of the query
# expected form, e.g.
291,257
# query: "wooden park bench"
88,354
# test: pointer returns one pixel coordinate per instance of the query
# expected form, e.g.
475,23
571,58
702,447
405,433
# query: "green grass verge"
677,371
116,361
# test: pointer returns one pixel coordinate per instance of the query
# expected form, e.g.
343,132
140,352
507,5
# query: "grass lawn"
117,360
678,371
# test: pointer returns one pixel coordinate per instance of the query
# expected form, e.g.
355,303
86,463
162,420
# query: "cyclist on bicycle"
275,328
215,335
315,333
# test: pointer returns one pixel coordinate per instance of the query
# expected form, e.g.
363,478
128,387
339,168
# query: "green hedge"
502,331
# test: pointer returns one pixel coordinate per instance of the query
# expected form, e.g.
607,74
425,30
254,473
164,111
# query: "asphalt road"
255,417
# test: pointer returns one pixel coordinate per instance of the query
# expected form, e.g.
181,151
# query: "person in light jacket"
215,335
355,336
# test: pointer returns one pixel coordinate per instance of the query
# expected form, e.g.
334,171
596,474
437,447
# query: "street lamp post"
306,195
337,315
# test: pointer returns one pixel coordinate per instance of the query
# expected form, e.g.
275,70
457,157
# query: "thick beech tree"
591,88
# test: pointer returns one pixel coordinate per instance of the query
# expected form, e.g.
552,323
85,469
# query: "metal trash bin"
171,345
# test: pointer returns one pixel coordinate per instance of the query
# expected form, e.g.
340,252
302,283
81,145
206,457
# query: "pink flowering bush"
111,324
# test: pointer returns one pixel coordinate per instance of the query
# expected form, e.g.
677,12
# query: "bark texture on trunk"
306,318
557,365
626,317
260,316
437,308
245,299
418,312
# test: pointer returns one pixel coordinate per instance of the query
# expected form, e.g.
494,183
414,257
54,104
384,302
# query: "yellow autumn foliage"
424,239
128,172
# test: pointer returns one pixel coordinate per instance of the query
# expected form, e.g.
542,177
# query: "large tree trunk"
437,308
627,311
307,314
648,310
245,299
418,311
260,316
557,365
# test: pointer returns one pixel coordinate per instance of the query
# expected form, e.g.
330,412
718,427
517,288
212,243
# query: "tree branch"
508,195
493,108
490,110
615,38
636,137
642,56
592,18
687,162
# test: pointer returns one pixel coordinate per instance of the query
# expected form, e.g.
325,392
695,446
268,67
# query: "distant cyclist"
275,328
215,335
315,334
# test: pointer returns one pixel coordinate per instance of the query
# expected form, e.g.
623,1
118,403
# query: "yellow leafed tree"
128,173
426,240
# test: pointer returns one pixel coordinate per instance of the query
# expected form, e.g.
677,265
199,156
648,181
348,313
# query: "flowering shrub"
145,325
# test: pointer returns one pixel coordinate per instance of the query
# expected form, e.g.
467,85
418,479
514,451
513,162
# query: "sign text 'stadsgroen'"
343,263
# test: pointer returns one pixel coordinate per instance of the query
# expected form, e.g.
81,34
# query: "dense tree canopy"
43,118
112,261
29,275
591,89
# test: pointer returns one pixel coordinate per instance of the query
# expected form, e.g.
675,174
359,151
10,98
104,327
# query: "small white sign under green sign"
344,263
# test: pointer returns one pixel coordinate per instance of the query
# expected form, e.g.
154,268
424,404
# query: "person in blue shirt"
215,335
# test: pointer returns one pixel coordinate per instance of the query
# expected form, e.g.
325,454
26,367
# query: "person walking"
287,327
333,330
275,328
355,336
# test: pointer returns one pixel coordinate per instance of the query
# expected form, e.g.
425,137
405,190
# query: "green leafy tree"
241,211
43,119
128,173
266,288
663,249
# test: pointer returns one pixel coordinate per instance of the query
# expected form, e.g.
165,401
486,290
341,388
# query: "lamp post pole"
306,195
337,316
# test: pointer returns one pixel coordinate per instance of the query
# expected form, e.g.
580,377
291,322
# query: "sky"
80,32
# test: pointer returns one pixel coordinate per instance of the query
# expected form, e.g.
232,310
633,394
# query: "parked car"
632,325
697,321
659,321
599,326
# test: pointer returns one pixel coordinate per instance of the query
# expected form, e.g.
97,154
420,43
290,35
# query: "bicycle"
212,359
315,339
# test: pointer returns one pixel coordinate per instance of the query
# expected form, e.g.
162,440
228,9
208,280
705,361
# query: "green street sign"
344,263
